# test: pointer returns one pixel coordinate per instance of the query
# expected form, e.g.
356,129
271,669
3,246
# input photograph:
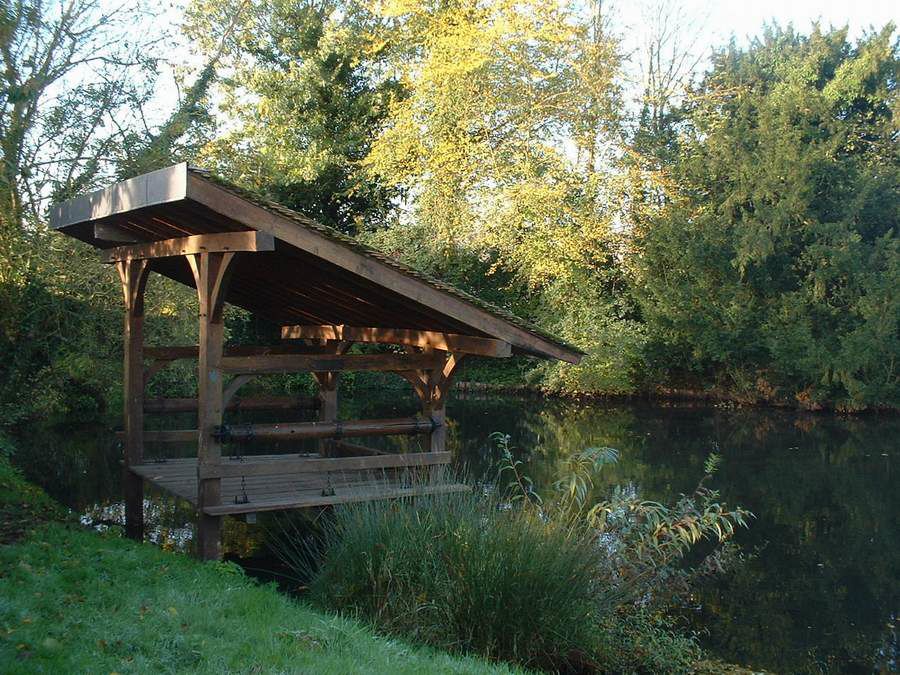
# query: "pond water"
817,590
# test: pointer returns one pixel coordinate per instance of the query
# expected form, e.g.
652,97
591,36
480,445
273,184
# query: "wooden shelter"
328,292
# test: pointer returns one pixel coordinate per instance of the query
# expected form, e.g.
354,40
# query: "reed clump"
462,572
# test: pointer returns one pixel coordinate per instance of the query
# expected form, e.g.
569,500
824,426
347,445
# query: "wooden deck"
286,489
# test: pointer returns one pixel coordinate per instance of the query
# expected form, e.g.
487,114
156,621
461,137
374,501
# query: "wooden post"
211,276
133,274
434,399
328,390
328,406
436,441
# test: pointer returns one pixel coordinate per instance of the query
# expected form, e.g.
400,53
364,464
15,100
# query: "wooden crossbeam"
193,245
331,429
288,464
319,363
181,352
450,342
360,494
163,405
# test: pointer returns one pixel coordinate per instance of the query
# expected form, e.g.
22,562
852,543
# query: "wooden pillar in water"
211,276
328,406
133,274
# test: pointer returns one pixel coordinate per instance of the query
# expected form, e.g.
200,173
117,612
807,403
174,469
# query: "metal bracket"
328,490
242,498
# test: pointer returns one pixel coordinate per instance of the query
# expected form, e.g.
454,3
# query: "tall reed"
461,572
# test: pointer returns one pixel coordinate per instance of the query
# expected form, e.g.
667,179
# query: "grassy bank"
23,506
74,601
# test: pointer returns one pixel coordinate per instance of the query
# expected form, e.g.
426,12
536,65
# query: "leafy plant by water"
558,582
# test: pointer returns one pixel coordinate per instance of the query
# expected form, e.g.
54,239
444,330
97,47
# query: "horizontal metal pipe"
331,429
338,429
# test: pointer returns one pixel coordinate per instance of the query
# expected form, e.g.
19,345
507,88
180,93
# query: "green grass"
73,601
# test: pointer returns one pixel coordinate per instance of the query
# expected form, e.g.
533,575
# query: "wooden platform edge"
334,500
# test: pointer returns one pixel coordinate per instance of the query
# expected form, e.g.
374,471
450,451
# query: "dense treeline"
730,230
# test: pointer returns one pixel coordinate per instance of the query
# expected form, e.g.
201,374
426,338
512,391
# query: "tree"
77,107
503,144
301,105
769,265
69,72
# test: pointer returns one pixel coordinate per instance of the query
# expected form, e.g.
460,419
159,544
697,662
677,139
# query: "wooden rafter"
221,242
450,342
107,232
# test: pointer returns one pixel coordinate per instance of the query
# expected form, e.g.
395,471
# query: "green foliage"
23,506
770,264
495,94
301,107
463,573
555,582
73,601
522,486
60,328
642,641
577,477
644,542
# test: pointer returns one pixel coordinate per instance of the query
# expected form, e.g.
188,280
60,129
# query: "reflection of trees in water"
76,465
822,591
820,594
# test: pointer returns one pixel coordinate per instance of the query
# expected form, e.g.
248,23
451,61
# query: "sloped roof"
316,275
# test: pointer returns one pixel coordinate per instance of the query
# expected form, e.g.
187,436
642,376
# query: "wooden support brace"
224,242
437,386
234,385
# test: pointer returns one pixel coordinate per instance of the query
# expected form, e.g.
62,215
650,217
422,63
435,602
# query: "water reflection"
816,593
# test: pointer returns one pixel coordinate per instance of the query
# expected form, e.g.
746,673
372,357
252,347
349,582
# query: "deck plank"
284,491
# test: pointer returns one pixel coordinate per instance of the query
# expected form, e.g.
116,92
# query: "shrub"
637,641
563,582
461,572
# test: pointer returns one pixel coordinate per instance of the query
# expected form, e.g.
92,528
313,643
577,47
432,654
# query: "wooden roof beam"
199,243
449,342
357,262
